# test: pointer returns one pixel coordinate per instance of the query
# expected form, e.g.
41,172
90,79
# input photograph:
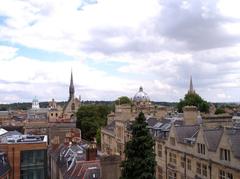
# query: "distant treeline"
25,106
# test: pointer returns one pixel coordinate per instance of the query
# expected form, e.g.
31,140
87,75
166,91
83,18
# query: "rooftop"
14,137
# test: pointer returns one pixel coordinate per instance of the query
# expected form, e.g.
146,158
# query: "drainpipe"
13,167
166,161
210,168
185,167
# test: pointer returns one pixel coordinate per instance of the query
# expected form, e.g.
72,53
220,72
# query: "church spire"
71,87
191,90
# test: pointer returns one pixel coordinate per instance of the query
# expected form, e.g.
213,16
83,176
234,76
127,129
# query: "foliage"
219,111
193,99
90,118
123,100
140,158
98,136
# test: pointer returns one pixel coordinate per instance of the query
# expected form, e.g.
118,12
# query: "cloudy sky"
115,46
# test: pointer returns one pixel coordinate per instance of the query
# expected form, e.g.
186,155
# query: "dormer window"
201,148
225,154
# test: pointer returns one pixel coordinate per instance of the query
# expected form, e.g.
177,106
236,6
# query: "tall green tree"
193,99
123,100
140,157
90,118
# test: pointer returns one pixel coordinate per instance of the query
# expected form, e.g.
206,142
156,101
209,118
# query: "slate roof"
234,139
212,138
4,165
71,160
110,127
10,133
88,170
152,121
183,132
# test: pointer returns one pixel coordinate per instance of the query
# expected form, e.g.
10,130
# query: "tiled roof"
234,139
71,160
110,127
152,121
183,132
88,170
212,138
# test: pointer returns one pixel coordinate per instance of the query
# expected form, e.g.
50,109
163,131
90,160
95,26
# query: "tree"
193,99
90,118
219,111
140,157
123,100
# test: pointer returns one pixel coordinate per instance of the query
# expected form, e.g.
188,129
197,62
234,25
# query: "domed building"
35,103
141,96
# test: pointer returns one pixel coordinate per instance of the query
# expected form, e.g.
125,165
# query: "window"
159,146
182,162
201,148
225,175
225,154
160,172
201,169
172,140
204,170
198,169
189,165
221,174
73,107
172,175
33,164
172,158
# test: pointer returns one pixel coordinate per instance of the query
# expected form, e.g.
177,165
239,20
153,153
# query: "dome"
35,103
141,96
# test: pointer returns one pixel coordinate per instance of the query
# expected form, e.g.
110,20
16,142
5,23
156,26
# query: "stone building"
187,146
117,132
195,152
63,120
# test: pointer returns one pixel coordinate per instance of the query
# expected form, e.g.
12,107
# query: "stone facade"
193,151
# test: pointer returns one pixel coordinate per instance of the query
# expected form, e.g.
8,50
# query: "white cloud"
158,43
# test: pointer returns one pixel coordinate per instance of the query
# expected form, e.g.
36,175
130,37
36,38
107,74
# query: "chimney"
91,152
190,114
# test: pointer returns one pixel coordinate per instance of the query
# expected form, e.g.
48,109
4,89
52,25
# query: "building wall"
13,152
110,167
174,159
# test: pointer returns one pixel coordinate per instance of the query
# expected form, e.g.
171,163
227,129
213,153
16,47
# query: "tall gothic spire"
71,87
191,90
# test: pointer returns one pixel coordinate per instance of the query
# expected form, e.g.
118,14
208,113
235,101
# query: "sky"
115,46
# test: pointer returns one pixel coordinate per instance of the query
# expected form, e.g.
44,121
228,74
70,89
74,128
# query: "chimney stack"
91,152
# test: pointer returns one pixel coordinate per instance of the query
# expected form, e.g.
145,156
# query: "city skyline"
113,47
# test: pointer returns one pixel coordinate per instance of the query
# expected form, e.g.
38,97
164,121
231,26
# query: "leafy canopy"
123,100
90,118
193,99
140,157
